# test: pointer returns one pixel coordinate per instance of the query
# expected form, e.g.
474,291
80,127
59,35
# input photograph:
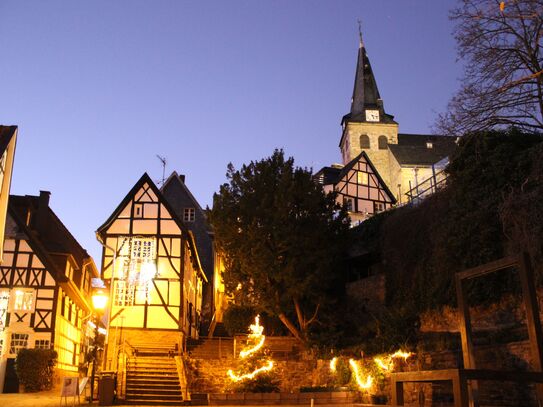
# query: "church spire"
365,92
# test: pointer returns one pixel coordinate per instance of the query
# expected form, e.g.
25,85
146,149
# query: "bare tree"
500,43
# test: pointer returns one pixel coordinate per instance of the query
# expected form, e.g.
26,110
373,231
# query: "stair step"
154,397
154,393
137,402
152,386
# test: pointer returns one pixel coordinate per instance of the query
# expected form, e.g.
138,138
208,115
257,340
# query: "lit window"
4,302
124,294
18,342
429,144
189,214
42,344
362,178
378,207
24,300
348,204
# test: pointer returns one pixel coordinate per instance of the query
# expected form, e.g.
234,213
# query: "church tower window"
364,141
382,142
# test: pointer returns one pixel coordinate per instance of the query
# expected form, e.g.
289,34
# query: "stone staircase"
211,348
152,378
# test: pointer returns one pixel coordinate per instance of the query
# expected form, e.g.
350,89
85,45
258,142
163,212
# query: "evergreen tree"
283,240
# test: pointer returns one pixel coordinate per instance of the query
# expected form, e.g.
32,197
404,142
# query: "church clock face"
372,115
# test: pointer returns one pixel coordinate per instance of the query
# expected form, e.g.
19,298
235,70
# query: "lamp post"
99,301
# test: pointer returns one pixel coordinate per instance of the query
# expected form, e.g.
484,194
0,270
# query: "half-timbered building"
151,263
359,187
45,283
187,208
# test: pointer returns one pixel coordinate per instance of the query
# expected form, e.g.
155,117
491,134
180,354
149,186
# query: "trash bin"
106,390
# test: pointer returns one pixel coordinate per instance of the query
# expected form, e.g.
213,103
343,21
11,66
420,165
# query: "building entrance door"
11,382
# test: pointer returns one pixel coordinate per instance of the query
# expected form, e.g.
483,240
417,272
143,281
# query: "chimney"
182,178
41,213
43,201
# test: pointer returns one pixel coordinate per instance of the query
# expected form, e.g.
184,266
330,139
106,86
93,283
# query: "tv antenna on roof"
163,161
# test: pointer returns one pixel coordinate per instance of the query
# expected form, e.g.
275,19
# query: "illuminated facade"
403,161
45,282
151,264
359,187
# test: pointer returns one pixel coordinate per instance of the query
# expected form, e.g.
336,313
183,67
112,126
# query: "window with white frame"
18,342
189,214
42,344
378,207
124,293
23,300
138,271
4,304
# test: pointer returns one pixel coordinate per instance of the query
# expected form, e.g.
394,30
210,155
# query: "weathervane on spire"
360,33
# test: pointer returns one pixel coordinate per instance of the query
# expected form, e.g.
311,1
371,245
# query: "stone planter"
247,399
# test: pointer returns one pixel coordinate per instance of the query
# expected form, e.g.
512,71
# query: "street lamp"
99,301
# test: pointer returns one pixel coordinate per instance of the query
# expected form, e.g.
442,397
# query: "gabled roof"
146,179
51,232
51,241
412,149
329,175
334,175
345,170
6,134
175,177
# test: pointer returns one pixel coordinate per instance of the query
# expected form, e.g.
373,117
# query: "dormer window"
429,144
189,214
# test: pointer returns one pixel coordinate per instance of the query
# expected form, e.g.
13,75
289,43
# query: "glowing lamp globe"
99,299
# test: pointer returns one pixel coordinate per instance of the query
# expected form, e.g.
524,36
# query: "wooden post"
466,337
532,316
397,392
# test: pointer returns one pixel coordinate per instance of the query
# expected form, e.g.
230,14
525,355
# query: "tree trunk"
292,329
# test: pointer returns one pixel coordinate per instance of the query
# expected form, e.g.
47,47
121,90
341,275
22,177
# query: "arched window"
382,142
364,141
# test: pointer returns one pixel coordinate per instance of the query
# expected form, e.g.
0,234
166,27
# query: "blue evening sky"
99,88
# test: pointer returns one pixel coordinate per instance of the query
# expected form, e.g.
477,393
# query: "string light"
358,377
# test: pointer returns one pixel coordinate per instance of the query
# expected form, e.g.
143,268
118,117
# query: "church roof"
422,149
365,92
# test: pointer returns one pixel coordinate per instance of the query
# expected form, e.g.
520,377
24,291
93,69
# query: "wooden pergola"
465,380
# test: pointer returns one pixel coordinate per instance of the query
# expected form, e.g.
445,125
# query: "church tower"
367,128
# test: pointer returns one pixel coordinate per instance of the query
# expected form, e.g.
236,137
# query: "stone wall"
209,376
368,291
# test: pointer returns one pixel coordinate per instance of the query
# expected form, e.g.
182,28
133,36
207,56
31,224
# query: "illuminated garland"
387,363
384,363
362,384
256,335
265,368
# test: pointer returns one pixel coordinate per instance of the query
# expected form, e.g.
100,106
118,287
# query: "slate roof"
412,149
52,241
51,232
365,92
329,175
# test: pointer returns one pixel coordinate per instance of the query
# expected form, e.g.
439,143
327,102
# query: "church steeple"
365,92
